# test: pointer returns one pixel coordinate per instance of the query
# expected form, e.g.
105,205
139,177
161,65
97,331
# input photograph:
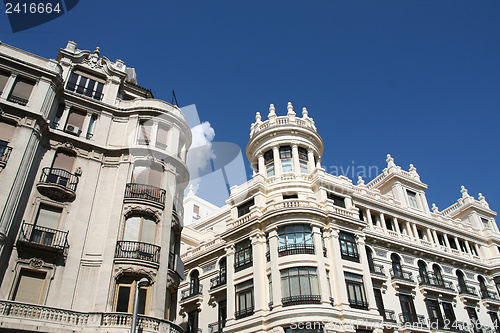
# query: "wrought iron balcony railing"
301,299
244,313
377,269
145,192
412,318
4,154
137,250
43,237
358,304
218,281
433,281
59,177
17,100
489,294
290,249
192,290
390,315
400,274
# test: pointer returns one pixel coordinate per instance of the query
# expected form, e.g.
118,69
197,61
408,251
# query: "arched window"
422,272
396,265
438,275
369,256
194,282
483,287
462,286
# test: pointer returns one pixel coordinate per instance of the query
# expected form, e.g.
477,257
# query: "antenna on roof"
174,99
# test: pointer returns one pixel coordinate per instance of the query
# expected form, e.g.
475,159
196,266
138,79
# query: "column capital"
360,238
334,231
229,249
258,238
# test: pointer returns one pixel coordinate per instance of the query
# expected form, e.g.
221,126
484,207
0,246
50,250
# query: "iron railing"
412,318
17,100
400,274
193,290
43,236
290,249
59,177
218,281
390,315
244,313
137,250
4,153
430,279
358,304
145,192
301,299
377,269
489,294
161,145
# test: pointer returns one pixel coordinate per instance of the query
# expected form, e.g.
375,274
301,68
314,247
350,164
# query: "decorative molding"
36,263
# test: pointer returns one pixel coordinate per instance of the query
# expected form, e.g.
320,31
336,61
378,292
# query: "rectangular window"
380,301
47,222
21,92
243,255
295,239
222,315
337,201
286,159
412,198
162,137
474,320
448,312
192,324
303,160
355,291
140,229
4,77
451,240
348,246
494,321
75,122
86,84
29,287
244,208
486,223
269,162
408,313
244,299
144,137
388,224
434,313
440,238
196,209
124,298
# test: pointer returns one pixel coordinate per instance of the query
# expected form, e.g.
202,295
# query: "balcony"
244,313
490,299
402,279
291,249
358,304
58,184
390,316
191,297
55,319
137,250
377,272
17,100
413,320
218,281
216,327
468,294
431,284
144,193
4,154
48,239
301,299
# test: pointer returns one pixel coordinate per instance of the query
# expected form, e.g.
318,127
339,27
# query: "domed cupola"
284,146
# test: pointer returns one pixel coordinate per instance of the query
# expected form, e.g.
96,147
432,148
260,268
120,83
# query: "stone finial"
305,113
361,181
390,162
191,189
413,171
272,112
482,200
289,107
258,118
97,50
435,209
465,193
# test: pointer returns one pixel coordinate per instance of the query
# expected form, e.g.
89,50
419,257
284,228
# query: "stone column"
231,297
429,235
396,225
262,165
435,237
259,270
467,246
409,230
64,118
447,242
277,161
382,222
85,126
323,281
310,160
367,280
275,272
369,218
415,232
457,244
8,85
339,289
295,160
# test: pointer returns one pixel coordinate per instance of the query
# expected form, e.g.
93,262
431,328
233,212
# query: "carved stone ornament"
94,61
36,262
408,260
119,271
208,268
381,253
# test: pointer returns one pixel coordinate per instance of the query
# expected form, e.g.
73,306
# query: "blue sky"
417,79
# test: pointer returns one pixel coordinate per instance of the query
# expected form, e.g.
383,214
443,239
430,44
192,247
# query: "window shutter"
148,230
132,228
4,77
6,131
76,119
155,174
22,89
48,217
64,161
162,135
29,287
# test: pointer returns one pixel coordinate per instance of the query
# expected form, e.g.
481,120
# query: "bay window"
299,285
295,239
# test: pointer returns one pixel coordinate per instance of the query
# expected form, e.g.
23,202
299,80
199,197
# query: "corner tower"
284,146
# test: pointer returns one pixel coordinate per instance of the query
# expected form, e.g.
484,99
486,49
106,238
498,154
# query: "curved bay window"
269,163
138,239
124,295
303,160
295,239
286,159
299,285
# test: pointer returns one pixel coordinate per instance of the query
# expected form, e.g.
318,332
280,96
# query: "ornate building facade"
92,175
296,249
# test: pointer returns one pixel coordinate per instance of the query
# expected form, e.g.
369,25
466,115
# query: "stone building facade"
296,249
92,175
